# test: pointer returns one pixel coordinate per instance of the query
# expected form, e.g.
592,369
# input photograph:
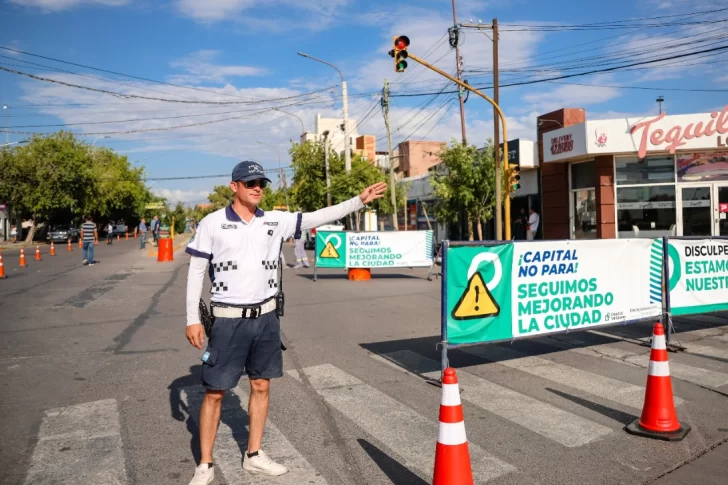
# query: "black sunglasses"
255,183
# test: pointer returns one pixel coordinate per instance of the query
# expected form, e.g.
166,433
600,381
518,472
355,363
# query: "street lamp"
326,163
347,154
303,130
97,139
660,100
283,177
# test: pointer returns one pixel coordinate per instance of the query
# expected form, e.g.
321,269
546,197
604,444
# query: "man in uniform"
242,244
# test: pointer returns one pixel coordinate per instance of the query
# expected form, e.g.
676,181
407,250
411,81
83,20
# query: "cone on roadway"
127,235
53,249
70,248
22,258
2,268
452,458
37,253
659,419
80,243
118,237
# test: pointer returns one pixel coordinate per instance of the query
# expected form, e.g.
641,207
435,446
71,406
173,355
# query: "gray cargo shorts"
238,345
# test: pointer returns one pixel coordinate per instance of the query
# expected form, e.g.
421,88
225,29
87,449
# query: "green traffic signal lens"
401,65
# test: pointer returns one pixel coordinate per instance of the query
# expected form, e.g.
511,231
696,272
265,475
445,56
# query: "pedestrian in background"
301,256
89,235
533,220
242,243
14,234
155,229
143,232
110,233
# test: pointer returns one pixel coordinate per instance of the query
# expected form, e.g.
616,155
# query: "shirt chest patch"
271,223
226,225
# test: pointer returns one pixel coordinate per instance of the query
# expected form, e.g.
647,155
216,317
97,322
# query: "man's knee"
214,397
260,386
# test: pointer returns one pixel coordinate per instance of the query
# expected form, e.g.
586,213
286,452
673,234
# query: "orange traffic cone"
22,258
126,235
452,458
53,249
37,253
118,237
80,243
69,245
659,419
2,268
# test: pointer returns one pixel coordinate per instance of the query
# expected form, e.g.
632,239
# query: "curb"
179,243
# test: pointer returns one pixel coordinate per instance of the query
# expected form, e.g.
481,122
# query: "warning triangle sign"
329,251
476,301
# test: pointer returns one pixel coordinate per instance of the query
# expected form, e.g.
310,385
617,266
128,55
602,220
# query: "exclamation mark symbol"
477,294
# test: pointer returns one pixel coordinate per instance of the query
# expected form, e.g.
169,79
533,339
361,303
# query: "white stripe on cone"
658,369
450,395
658,342
452,434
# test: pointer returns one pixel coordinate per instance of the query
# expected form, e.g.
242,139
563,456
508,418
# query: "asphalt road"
101,387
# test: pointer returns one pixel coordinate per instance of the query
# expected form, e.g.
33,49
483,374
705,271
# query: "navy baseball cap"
247,171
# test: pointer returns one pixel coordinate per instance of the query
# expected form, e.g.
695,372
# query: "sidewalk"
180,240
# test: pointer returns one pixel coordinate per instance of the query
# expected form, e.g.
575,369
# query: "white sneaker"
261,463
204,475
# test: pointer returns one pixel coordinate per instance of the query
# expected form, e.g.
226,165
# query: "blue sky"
246,49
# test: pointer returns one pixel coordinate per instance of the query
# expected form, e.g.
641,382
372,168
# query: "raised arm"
309,220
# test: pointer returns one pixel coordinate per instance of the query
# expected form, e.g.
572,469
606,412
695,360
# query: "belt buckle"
251,312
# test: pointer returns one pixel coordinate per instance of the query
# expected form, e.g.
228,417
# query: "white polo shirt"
244,256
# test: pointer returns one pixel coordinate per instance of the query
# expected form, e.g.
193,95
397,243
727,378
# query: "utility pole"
285,187
326,167
458,66
347,148
392,181
496,141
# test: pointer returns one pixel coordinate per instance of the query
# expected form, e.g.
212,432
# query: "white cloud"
200,68
184,196
213,10
321,12
573,95
59,5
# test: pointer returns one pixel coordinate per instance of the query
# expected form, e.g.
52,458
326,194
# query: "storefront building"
633,177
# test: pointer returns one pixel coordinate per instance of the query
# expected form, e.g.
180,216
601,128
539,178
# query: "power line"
166,100
117,73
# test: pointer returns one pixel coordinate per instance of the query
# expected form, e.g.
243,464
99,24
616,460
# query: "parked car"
63,233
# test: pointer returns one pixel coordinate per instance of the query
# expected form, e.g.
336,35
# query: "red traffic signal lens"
402,42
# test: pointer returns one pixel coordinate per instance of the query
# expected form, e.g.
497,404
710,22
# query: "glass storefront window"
582,175
585,214
647,211
650,170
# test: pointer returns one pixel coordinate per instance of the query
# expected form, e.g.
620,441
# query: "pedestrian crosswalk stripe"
404,431
595,384
706,351
545,419
696,375
232,436
715,333
79,444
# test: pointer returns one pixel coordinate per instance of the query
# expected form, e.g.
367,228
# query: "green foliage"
57,178
179,213
464,183
308,192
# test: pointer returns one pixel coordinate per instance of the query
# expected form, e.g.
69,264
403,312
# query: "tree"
308,190
221,196
465,184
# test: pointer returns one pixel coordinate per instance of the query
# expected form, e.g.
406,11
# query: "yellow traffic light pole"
504,163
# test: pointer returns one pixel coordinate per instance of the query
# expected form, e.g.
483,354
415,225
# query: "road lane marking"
561,426
232,435
404,431
79,444
604,387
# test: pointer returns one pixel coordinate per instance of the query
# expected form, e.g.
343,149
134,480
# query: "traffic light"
400,52
514,176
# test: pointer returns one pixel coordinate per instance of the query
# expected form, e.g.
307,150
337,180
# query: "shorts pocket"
210,356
